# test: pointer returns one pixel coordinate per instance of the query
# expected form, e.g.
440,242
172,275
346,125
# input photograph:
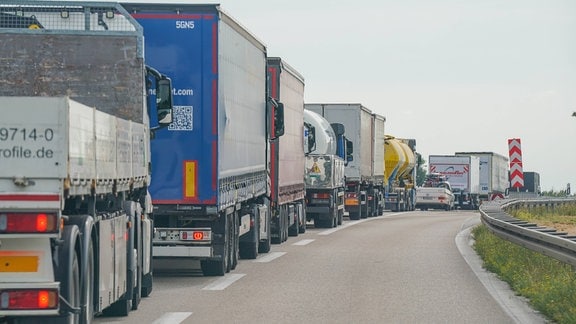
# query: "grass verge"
550,285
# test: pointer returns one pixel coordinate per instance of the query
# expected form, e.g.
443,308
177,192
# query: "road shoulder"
515,306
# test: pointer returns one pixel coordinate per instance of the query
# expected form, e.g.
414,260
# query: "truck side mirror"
277,109
349,150
338,129
311,138
164,103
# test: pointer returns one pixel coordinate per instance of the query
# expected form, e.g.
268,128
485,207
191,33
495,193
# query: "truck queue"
219,170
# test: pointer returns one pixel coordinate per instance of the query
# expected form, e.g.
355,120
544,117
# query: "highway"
396,268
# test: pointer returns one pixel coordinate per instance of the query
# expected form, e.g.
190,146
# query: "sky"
456,75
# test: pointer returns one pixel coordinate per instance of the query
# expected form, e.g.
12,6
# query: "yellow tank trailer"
400,173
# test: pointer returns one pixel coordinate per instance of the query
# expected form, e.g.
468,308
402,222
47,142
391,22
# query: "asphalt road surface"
396,268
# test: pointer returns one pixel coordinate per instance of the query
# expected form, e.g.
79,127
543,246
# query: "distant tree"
420,171
553,193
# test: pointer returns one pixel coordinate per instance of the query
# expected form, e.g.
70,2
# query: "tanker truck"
325,163
365,172
400,173
75,223
211,167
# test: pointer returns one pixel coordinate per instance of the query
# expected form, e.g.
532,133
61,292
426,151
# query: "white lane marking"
343,226
270,256
172,318
224,282
354,222
303,242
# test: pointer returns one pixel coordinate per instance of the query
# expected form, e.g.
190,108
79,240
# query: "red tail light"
28,223
321,195
198,236
29,299
351,195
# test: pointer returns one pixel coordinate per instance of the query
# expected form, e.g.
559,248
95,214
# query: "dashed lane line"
224,282
172,318
303,242
269,257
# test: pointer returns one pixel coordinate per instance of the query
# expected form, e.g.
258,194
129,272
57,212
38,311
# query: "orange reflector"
18,263
190,179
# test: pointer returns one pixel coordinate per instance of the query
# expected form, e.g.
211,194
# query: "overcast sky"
456,75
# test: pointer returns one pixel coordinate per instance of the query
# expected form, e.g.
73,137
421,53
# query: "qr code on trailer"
182,119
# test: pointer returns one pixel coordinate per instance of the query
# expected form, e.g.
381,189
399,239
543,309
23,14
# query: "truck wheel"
249,250
302,220
264,246
340,216
230,241
119,308
294,229
69,272
354,216
235,242
74,290
146,285
137,295
302,227
221,266
285,226
88,291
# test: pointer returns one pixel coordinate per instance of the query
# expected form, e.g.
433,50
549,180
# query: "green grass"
550,285
560,215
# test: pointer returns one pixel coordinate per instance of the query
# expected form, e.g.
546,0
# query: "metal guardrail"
548,241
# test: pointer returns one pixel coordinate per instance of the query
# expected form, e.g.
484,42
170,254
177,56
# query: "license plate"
18,264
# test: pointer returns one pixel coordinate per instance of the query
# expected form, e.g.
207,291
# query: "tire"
230,242
354,216
147,285
340,217
264,246
69,274
294,229
249,250
137,292
88,292
221,266
235,241
302,226
74,297
121,307
278,223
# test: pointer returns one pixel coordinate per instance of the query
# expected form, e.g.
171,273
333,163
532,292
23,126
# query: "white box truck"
463,175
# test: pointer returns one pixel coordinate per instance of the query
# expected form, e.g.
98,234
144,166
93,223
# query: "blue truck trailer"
210,166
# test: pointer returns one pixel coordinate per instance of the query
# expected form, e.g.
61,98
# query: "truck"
287,161
435,193
210,169
75,210
400,173
463,174
365,172
493,174
326,158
